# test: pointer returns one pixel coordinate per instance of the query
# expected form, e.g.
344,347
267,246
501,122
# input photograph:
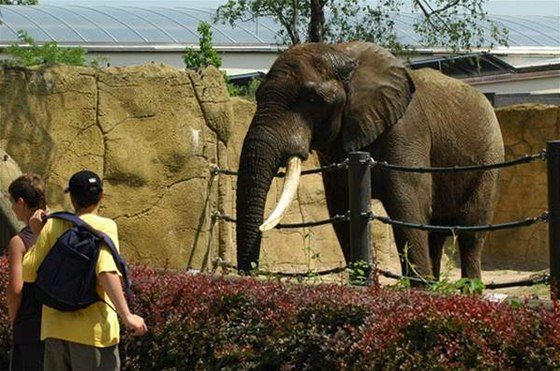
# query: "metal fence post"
359,186
553,161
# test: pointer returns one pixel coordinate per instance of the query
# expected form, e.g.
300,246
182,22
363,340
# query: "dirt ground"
387,260
453,273
540,291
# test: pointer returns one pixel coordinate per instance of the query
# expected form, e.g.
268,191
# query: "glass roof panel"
85,28
145,24
13,20
532,31
109,19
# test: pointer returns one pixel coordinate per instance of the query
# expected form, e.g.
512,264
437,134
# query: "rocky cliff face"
153,133
9,225
150,131
523,189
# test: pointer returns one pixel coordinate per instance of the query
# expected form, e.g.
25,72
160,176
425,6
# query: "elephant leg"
470,246
408,198
478,211
336,193
412,244
436,241
413,251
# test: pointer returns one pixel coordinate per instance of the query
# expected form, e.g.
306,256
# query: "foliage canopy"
455,24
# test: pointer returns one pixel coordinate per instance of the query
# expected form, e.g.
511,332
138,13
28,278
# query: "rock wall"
153,132
150,131
9,224
526,129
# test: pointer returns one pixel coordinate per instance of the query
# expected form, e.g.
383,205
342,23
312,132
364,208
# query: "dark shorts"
61,355
27,357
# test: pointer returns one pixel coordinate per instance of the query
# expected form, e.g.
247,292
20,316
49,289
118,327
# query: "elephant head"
327,98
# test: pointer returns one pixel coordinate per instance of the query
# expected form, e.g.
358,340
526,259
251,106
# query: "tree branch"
435,11
423,4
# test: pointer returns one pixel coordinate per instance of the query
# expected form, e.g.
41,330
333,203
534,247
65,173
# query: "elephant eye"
311,97
309,93
322,93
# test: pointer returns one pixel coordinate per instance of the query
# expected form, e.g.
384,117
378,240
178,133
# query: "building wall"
549,84
232,62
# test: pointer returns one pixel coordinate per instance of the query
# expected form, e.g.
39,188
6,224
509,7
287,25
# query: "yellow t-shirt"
96,325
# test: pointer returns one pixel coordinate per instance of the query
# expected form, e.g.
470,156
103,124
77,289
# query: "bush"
248,91
49,53
5,328
198,322
206,55
205,323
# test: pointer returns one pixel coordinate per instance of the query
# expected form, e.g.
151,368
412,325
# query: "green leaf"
206,55
458,25
29,53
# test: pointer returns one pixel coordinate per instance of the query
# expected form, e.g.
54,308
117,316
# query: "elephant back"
457,114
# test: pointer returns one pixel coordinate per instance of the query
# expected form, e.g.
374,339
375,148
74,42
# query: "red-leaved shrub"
205,323
199,322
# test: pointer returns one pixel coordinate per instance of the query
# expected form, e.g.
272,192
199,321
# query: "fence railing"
359,215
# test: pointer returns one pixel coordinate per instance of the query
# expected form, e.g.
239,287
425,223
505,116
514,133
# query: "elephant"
356,96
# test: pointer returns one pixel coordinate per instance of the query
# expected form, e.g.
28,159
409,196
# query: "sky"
496,7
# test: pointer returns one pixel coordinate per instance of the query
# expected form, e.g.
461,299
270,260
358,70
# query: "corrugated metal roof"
126,24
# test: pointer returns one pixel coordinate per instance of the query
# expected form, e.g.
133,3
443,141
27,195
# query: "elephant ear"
378,95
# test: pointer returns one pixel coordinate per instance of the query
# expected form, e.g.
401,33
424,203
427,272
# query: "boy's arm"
111,283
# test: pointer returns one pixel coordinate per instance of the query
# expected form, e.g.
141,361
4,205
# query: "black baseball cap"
85,183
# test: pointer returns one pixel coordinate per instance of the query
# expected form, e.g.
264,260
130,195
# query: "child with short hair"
27,197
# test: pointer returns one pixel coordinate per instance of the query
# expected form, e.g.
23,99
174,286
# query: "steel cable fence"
542,218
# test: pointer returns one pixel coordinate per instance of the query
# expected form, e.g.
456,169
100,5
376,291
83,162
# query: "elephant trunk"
260,160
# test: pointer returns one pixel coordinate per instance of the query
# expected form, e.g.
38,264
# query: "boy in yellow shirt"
86,339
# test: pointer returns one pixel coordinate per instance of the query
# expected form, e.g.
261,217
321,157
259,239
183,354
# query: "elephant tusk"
291,182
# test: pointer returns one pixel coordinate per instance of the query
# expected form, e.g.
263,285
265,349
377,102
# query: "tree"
29,53
19,2
206,55
455,24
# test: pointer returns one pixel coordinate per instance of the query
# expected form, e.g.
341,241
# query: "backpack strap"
121,263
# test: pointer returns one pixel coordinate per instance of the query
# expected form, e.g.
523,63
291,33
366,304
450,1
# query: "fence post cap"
553,146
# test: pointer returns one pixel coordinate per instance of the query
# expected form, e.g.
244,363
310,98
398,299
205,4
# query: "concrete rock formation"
153,132
143,129
9,170
523,189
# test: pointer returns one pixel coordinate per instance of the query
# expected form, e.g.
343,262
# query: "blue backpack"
66,278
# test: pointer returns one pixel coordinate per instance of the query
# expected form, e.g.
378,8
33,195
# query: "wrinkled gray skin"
334,99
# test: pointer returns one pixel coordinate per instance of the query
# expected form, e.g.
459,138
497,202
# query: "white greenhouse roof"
73,24
125,24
